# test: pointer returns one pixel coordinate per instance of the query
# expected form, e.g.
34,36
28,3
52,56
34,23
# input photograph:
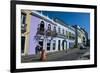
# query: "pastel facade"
41,32
81,36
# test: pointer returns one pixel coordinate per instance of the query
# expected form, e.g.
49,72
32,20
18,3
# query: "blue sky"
72,18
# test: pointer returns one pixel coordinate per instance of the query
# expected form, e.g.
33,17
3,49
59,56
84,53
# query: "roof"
35,13
58,20
53,21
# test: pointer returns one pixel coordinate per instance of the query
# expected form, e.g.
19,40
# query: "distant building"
81,36
40,32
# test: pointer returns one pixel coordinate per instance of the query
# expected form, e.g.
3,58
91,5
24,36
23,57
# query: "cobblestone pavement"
72,54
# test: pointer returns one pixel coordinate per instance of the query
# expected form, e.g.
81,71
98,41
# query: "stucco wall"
33,30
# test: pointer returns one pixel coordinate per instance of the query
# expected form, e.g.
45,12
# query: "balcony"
23,28
48,32
40,31
51,33
54,33
72,37
61,35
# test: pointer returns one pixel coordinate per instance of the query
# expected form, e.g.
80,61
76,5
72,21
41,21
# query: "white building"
49,34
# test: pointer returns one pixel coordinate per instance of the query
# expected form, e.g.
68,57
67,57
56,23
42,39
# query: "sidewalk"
55,56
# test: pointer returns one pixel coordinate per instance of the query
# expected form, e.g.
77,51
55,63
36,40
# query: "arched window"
59,30
42,26
54,28
49,27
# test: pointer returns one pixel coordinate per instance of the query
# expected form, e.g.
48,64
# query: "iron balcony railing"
47,32
61,35
40,31
52,33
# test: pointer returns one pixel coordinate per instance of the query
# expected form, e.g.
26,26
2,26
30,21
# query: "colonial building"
81,36
40,32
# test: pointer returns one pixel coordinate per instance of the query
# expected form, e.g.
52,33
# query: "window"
42,26
66,33
54,28
73,36
59,30
69,35
49,27
54,44
23,18
48,45
63,31
23,22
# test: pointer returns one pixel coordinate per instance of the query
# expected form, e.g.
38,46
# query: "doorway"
39,46
64,45
22,44
59,45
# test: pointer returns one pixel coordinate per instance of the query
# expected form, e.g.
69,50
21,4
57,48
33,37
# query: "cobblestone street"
72,54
